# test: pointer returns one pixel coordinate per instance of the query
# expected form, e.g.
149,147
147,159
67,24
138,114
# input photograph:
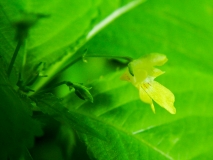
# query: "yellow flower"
142,73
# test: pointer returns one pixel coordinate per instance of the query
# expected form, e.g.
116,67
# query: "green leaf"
167,28
18,129
125,120
51,105
173,139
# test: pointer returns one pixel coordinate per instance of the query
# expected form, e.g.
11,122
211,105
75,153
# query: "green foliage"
51,105
17,127
117,125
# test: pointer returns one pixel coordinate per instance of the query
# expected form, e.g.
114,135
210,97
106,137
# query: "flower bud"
82,92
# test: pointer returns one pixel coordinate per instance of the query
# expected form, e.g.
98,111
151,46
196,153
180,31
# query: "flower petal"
156,72
139,76
161,95
146,64
157,59
146,98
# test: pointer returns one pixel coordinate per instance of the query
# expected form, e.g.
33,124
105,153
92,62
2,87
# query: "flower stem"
24,58
129,59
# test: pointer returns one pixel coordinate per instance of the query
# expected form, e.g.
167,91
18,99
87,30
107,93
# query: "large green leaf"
168,27
132,130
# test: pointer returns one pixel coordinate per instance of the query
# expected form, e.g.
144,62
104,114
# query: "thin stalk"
24,57
51,88
129,59
112,17
14,57
28,155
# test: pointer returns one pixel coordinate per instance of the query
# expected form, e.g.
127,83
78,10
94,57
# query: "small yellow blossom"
142,73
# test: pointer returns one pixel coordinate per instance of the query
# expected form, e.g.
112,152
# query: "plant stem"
91,56
54,86
20,42
129,59
24,58
112,17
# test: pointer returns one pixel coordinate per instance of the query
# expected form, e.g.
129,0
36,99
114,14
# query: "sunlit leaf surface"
168,28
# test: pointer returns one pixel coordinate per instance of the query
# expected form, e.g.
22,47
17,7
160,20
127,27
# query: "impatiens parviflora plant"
142,73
